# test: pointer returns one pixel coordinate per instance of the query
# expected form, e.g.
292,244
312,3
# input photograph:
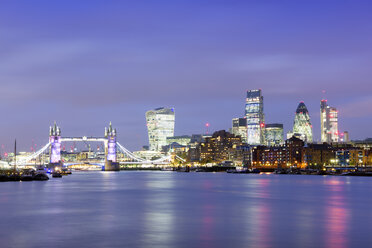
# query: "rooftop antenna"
207,127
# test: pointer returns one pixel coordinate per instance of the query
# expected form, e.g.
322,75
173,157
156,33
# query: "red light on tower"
207,127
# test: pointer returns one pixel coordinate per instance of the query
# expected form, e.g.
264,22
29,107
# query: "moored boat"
41,177
56,174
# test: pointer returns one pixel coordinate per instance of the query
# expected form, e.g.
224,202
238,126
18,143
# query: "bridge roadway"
84,138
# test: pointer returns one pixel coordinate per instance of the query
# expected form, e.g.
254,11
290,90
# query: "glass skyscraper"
328,123
160,125
302,127
239,128
255,117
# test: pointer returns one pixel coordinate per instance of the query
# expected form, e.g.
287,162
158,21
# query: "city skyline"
112,65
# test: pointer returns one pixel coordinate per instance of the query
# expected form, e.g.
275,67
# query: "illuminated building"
274,134
183,140
160,125
239,128
319,155
218,147
346,136
328,123
302,127
284,156
255,117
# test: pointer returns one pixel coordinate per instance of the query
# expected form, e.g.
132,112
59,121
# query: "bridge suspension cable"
129,154
34,155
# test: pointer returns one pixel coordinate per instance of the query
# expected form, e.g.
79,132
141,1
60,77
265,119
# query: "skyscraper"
239,128
302,127
328,123
255,117
160,125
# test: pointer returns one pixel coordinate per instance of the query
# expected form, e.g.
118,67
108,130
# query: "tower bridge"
111,148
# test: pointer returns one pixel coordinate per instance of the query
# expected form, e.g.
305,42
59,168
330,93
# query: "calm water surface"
170,209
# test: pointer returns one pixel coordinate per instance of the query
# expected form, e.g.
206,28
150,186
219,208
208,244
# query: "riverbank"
229,169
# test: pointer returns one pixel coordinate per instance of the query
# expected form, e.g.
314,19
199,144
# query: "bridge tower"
55,145
111,163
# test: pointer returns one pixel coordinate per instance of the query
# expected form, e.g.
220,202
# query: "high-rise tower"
160,125
328,123
302,127
255,117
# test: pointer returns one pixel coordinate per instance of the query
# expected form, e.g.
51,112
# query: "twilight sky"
85,63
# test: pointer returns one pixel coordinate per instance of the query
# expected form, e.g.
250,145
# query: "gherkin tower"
302,126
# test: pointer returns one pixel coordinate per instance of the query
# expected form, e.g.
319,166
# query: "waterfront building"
160,125
292,154
239,128
319,155
217,148
274,134
328,123
353,156
241,155
255,117
302,127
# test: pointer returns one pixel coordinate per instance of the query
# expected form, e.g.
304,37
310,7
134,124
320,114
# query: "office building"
254,117
274,134
160,125
328,123
302,127
239,128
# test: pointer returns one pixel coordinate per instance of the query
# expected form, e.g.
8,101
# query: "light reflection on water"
157,209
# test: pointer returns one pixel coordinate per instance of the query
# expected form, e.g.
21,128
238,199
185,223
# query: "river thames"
173,209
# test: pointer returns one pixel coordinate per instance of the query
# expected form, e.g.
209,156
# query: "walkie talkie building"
160,125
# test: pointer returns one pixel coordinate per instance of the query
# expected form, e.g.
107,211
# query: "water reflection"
159,212
258,215
337,214
154,209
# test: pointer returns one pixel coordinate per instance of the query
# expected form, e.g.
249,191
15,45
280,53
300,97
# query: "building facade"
239,128
255,117
291,154
160,125
319,155
302,127
219,147
328,123
274,134
182,140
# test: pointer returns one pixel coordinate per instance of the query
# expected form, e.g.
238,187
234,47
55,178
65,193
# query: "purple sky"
85,63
